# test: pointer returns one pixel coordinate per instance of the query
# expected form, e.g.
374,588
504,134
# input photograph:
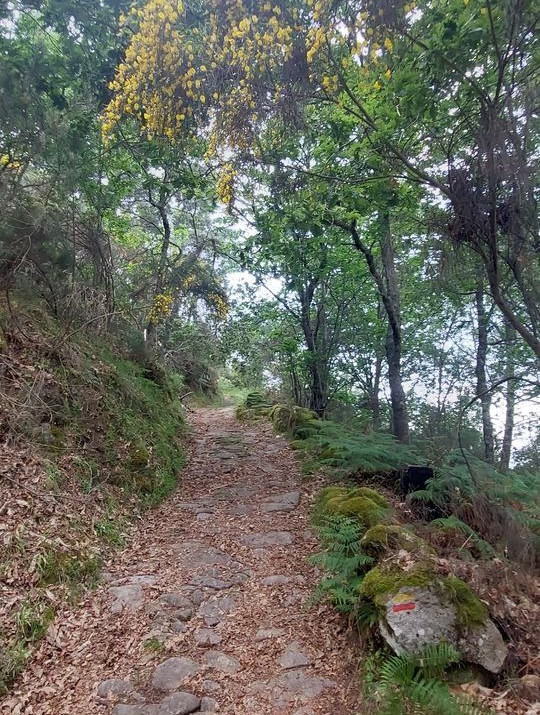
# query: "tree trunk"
388,288
480,370
506,449
400,417
314,329
374,400
159,285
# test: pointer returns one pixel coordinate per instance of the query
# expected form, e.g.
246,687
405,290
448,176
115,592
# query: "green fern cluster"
342,559
331,446
453,524
413,684
506,522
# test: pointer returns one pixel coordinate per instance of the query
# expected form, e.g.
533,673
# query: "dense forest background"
333,204
382,189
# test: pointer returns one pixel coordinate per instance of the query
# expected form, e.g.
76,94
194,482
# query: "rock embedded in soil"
281,502
175,600
211,687
135,710
129,597
173,673
293,657
292,687
214,611
179,704
206,636
279,580
484,646
193,554
211,579
417,617
209,705
114,688
269,538
222,662
266,633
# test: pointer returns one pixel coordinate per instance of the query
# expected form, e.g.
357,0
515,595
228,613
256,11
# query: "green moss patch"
469,609
392,537
362,508
379,582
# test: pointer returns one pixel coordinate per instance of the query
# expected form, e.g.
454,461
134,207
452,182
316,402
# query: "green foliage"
343,559
469,609
413,684
334,447
111,530
54,566
154,645
506,521
292,420
451,524
32,620
142,415
12,662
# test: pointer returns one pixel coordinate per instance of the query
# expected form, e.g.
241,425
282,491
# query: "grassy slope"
89,437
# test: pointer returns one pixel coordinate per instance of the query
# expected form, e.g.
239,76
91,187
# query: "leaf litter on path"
239,584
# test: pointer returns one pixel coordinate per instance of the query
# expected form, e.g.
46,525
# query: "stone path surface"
205,609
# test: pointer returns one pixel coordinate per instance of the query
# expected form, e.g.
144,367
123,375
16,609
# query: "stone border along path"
204,609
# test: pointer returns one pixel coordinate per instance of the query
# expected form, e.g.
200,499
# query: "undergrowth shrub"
497,510
343,559
362,572
331,446
255,406
413,684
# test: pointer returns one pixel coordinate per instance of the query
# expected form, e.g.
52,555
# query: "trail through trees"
205,608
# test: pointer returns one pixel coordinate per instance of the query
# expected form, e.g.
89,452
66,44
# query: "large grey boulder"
417,617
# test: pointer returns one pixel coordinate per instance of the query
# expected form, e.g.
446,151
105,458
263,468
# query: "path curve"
204,610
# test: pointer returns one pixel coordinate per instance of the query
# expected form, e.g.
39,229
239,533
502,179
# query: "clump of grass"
32,620
111,531
54,566
154,645
12,661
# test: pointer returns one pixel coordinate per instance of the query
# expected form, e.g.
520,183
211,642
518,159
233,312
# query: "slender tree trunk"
374,400
159,285
400,417
388,288
506,449
480,370
314,329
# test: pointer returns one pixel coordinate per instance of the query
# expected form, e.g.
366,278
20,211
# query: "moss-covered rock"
470,610
290,419
380,582
362,508
139,456
372,494
330,493
383,538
